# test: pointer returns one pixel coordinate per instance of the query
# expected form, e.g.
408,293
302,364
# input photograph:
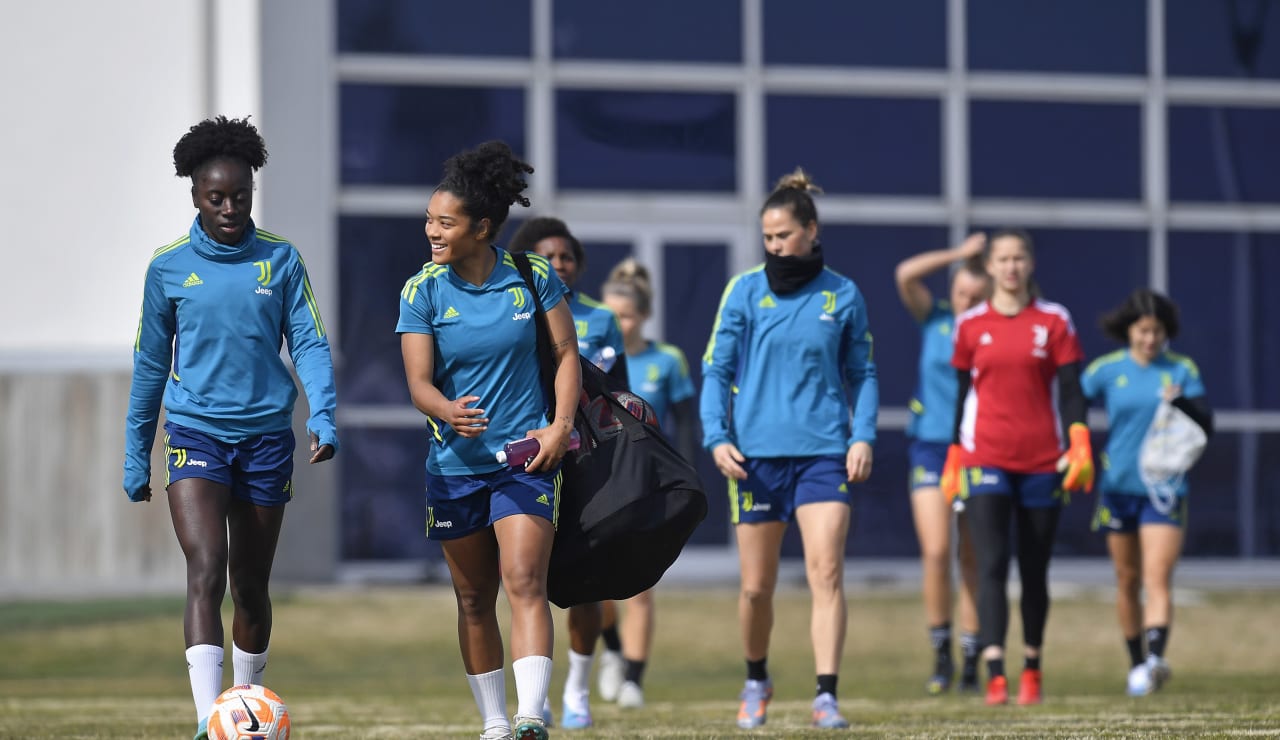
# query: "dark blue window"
1224,154
382,499
655,30
696,275
402,134
473,28
645,141
857,145
601,258
1078,36
1055,150
1214,482
902,33
1223,284
1268,511
1211,38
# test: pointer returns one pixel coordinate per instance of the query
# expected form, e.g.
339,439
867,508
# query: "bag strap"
546,363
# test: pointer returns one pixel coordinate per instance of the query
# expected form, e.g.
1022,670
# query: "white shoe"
1160,671
1140,683
612,670
496,733
630,696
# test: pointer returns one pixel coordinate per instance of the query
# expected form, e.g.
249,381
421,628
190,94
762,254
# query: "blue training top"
597,326
933,407
660,375
1131,394
214,317
791,366
486,345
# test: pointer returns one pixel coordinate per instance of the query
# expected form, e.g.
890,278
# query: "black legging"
988,517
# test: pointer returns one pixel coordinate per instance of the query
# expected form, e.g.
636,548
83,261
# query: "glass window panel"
601,257
402,134
1224,154
383,501
608,140
856,33
1268,502
655,30
857,145
696,275
1229,330
1080,36
1207,38
435,27
1213,522
1055,150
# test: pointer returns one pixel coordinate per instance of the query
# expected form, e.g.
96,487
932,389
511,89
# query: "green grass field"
383,663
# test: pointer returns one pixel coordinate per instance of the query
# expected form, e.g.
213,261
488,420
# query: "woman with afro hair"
218,304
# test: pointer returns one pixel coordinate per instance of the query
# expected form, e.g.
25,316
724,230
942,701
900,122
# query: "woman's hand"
729,460
319,452
467,422
1170,392
553,441
857,463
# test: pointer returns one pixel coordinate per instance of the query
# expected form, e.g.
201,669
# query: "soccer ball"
249,712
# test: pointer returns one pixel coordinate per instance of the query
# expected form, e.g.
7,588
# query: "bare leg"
198,508
759,550
473,567
824,527
254,533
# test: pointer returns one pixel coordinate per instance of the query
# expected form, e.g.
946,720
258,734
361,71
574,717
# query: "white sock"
490,692
204,667
577,685
533,679
247,667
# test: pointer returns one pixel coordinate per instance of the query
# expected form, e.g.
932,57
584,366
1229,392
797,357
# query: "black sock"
611,639
940,638
1135,650
756,670
635,671
995,667
1031,664
827,683
1157,639
970,649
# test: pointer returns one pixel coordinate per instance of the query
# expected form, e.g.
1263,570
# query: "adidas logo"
985,339
452,313
192,280
768,302
543,500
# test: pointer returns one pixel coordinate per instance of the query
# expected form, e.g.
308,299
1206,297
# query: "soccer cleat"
1029,691
1160,671
755,698
202,730
997,691
574,720
826,714
940,681
529,728
496,733
631,695
613,669
1140,683
969,678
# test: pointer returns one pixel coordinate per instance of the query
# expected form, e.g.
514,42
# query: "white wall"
96,95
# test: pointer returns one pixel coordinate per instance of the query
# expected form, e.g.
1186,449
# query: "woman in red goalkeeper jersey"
1017,361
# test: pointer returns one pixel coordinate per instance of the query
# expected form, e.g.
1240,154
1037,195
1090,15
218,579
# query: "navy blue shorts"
776,486
458,505
926,460
1124,513
258,469
1032,490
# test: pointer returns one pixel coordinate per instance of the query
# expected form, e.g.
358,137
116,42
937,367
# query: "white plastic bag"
1173,443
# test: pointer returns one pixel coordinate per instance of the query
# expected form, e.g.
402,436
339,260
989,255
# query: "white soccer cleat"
1140,680
496,733
612,672
631,695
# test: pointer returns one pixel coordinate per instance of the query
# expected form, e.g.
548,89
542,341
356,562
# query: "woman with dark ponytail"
469,340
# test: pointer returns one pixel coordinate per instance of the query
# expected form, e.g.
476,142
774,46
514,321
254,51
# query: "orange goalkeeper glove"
952,474
1077,463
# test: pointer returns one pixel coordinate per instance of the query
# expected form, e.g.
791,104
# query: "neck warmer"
789,274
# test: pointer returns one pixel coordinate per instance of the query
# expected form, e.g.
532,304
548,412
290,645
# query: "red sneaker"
1029,687
997,691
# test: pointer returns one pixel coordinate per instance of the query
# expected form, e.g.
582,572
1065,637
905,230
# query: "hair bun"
798,180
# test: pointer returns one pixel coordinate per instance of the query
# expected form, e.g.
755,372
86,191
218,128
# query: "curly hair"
216,138
545,227
793,191
487,179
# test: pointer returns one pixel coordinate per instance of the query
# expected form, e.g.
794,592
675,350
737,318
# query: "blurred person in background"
660,375
1017,362
475,373
1144,533
600,340
788,408
217,306
930,429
